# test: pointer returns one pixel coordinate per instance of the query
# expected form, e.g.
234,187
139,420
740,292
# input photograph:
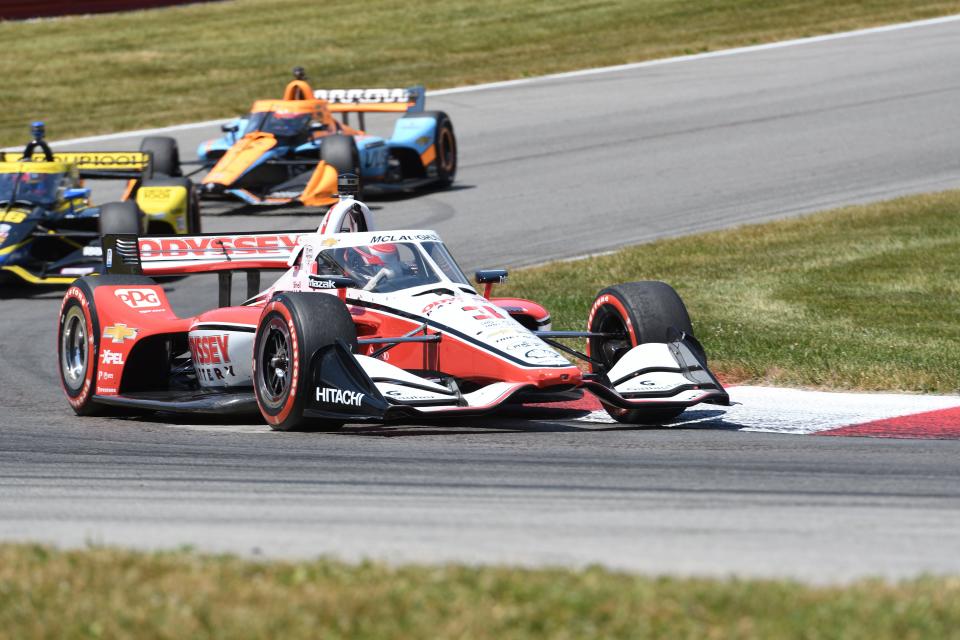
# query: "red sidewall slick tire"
77,348
292,327
645,312
78,371
608,302
278,409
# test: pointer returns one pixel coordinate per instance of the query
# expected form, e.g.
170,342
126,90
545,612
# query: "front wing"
359,389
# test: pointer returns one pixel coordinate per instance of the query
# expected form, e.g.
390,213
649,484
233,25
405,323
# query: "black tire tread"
307,309
655,309
120,217
341,153
166,155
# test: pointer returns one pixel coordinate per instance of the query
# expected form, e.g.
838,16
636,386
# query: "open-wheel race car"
290,151
50,229
362,326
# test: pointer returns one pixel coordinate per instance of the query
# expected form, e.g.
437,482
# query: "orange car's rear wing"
409,100
125,165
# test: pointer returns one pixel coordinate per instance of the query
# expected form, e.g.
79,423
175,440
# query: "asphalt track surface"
551,169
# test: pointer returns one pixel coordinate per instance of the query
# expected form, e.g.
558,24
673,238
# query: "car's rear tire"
78,340
166,155
292,328
445,145
645,311
193,209
341,153
121,217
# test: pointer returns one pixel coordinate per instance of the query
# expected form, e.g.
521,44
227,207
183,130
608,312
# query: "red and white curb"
800,412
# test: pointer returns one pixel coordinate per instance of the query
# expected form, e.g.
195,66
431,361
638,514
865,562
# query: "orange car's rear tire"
444,145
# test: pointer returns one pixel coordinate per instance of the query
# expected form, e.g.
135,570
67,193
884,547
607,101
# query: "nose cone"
247,153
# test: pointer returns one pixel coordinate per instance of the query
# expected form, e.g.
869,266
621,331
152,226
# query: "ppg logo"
138,298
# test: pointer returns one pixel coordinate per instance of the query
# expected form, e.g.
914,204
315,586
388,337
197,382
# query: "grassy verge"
864,297
120,594
105,73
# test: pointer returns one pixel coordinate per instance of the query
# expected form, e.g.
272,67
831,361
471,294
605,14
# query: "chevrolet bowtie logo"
119,333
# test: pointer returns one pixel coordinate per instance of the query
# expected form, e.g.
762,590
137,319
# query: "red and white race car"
362,326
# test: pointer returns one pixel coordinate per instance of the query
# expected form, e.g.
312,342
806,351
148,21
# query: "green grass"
864,297
96,74
104,593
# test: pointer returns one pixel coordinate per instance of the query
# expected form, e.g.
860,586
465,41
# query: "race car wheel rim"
609,350
274,363
73,348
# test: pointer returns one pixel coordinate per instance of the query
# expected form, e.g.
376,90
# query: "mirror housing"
229,128
330,283
490,277
76,192
317,126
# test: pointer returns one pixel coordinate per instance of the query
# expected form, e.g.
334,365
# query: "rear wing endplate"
378,100
97,164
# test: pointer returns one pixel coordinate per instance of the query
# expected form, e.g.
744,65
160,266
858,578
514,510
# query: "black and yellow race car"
49,230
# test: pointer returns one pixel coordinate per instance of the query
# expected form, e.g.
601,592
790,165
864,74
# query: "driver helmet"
31,184
381,255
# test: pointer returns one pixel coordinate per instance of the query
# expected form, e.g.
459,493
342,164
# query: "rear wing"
211,252
409,100
124,165
208,253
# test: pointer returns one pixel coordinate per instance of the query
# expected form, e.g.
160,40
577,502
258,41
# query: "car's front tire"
341,153
639,312
292,327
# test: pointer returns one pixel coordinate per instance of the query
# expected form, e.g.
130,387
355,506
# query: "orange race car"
290,151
